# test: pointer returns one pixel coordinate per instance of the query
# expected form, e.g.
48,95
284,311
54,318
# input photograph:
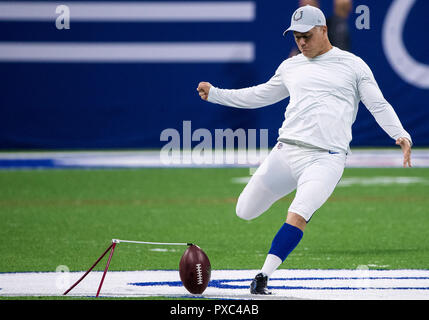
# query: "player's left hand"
406,149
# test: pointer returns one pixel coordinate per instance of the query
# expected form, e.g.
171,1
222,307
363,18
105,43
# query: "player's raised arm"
258,96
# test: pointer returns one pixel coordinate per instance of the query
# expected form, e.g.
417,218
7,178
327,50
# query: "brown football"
195,269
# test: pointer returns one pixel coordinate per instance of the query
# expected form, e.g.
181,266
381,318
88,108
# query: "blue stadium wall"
91,105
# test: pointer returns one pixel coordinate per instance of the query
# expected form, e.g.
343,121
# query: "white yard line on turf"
229,284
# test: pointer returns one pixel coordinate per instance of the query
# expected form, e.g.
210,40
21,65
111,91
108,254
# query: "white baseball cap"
305,18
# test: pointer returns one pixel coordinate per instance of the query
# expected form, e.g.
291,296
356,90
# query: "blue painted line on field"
226,283
26,163
96,160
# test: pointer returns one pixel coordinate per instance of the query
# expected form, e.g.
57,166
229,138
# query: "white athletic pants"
314,173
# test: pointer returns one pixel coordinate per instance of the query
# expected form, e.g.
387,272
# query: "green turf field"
68,217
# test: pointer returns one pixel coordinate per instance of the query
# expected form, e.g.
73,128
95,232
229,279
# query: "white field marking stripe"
285,284
130,11
345,182
127,52
366,181
151,159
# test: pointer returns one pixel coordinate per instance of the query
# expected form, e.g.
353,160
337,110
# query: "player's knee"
243,210
242,213
247,209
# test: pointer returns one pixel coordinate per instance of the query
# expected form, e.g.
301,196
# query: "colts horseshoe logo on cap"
295,18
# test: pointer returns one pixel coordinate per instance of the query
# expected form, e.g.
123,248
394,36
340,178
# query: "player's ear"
324,30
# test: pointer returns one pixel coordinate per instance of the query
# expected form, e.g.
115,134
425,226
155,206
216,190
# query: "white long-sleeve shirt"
324,97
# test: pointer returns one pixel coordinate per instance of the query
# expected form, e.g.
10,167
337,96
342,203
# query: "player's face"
310,43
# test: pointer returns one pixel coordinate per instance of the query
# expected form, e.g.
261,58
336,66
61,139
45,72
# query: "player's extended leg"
315,184
271,181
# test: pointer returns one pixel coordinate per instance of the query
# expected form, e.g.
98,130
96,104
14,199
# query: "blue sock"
286,239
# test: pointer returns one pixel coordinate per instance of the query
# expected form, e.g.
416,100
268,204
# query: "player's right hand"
203,90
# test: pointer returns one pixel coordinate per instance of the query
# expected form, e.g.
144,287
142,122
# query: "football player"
325,85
